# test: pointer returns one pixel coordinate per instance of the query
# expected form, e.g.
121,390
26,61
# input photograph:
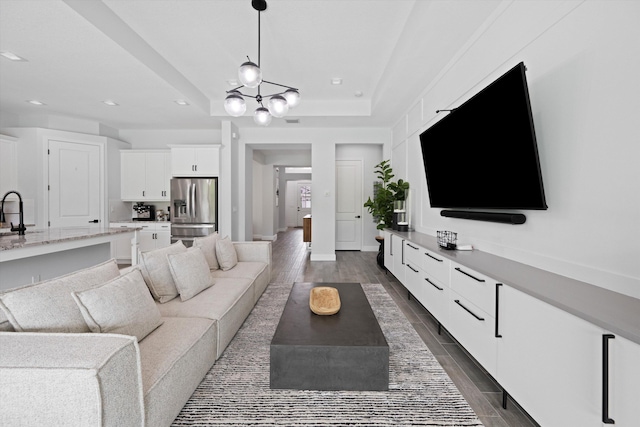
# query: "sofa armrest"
70,379
253,251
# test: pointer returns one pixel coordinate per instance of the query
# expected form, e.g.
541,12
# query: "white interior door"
304,201
348,205
74,184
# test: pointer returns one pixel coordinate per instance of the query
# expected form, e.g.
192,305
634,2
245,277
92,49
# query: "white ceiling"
145,54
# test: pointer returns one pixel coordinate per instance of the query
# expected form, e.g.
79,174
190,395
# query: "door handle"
357,216
95,221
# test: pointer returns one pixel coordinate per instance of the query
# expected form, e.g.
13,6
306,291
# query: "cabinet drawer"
412,254
436,265
413,276
474,286
434,296
474,329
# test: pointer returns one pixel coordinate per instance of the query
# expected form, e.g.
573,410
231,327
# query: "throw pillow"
48,306
191,273
226,253
155,270
208,247
121,306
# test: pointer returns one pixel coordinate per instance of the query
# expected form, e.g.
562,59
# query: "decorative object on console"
250,75
447,239
324,300
385,193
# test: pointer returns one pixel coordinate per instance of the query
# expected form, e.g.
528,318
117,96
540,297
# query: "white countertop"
38,242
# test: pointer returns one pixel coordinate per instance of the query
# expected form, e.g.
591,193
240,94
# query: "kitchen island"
42,254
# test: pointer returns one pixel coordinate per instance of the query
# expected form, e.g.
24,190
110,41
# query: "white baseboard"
370,248
272,238
257,237
323,257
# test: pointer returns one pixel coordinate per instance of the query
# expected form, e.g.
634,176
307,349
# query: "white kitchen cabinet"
154,235
145,175
388,251
550,361
194,160
623,370
8,166
121,249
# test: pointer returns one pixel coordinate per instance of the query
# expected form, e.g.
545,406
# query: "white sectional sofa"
147,357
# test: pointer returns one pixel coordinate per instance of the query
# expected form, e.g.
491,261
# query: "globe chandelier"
250,75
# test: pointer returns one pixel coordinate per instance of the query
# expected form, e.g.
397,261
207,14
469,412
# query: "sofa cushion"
226,253
190,272
175,358
208,247
121,306
229,301
48,306
156,272
257,271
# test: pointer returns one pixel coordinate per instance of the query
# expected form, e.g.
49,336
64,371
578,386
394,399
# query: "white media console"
567,351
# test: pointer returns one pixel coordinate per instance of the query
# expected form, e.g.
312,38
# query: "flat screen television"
483,154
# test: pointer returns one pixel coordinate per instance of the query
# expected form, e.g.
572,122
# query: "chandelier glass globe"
278,106
292,96
250,75
234,104
262,116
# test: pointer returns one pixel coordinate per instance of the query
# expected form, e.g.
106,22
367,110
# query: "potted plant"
385,193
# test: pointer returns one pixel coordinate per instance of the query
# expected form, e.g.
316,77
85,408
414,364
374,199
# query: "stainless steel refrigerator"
194,208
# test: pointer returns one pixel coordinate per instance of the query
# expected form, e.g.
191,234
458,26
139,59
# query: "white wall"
583,61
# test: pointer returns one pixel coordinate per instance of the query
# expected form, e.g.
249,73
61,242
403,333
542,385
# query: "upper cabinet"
145,175
8,165
195,160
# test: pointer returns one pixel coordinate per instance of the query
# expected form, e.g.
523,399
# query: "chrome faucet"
20,228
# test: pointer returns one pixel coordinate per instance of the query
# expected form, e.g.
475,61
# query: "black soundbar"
505,218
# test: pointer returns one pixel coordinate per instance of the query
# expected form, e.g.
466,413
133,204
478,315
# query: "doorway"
304,201
349,205
74,184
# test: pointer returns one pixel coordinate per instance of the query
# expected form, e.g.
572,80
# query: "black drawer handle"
497,334
469,311
413,269
412,247
434,285
605,378
467,274
431,256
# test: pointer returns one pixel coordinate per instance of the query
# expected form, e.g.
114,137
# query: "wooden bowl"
324,300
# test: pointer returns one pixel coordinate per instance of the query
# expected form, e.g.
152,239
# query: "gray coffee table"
344,351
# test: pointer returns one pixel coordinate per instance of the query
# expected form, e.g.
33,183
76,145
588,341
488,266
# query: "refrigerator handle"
193,201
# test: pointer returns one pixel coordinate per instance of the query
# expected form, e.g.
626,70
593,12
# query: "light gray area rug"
236,390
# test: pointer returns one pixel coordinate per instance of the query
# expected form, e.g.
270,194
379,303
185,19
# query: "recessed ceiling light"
358,93
181,102
110,103
336,81
35,102
12,56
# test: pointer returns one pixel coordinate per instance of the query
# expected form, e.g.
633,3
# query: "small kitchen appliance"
142,212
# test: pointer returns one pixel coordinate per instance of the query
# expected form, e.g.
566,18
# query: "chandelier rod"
258,38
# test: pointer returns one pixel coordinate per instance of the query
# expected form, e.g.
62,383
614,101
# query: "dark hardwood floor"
291,264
